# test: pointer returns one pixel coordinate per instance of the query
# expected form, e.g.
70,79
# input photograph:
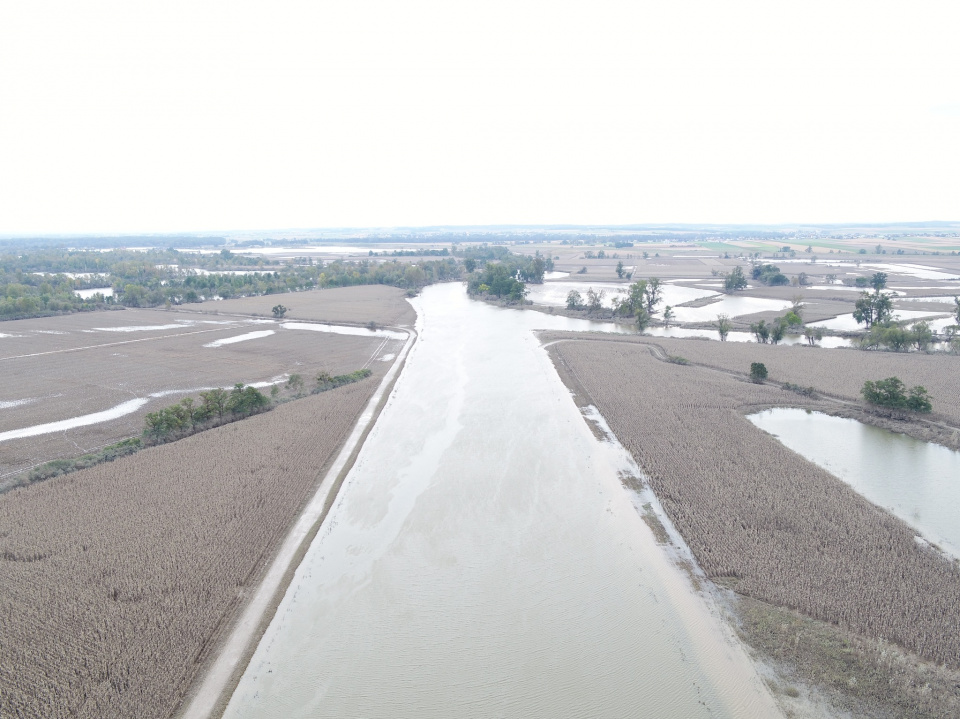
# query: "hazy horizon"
195,117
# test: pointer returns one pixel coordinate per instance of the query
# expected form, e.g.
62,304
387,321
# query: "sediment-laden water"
483,559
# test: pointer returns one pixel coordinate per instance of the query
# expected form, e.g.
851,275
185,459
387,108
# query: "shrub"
758,371
892,393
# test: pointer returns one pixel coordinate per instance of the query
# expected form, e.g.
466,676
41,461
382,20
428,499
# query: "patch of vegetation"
507,278
769,275
758,372
65,466
805,391
677,359
325,382
892,393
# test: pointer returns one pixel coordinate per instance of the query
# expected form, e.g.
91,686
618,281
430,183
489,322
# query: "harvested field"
120,579
758,517
353,305
97,362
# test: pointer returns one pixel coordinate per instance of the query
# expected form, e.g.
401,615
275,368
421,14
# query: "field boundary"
211,694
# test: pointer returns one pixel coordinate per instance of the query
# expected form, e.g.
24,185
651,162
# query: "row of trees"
167,277
187,416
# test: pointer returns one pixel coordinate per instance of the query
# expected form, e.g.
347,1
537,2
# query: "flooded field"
469,568
555,293
917,481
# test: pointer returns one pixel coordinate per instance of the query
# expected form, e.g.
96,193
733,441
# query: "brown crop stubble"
118,579
760,517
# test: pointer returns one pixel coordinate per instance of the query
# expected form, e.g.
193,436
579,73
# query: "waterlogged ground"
483,559
917,481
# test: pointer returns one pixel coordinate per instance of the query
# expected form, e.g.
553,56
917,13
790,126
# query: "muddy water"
483,559
917,481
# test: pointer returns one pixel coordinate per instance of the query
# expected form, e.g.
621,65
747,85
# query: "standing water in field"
482,559
917,481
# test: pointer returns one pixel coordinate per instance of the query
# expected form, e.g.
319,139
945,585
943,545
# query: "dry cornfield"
840,372
759,517
358,305
117,580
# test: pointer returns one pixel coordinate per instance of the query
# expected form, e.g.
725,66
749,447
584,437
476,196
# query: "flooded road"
482,559
917,481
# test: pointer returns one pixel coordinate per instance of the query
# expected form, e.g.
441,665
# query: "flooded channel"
917,481
483,559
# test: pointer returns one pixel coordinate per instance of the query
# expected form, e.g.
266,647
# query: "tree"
667,315
279,311
595,300
956,308
653,295
642,318
777,329
735,280
295,383
921,335
876,308
878,281
761,331
723,326
214,402
758,372
813,335
620,269
892,393
470,264
574,300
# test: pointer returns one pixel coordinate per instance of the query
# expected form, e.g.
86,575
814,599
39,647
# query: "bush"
892,393
758,372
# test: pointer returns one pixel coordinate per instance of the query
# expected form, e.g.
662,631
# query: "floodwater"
917,481
87,294
921,272
847,322
730,305
483,559
344,330
115,412
827,342
240,338
555,293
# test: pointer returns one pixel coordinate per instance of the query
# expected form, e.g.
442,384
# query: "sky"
128,116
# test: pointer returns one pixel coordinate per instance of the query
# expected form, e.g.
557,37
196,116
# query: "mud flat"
483,559
871,613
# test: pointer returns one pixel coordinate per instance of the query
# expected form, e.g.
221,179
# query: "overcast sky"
171,116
